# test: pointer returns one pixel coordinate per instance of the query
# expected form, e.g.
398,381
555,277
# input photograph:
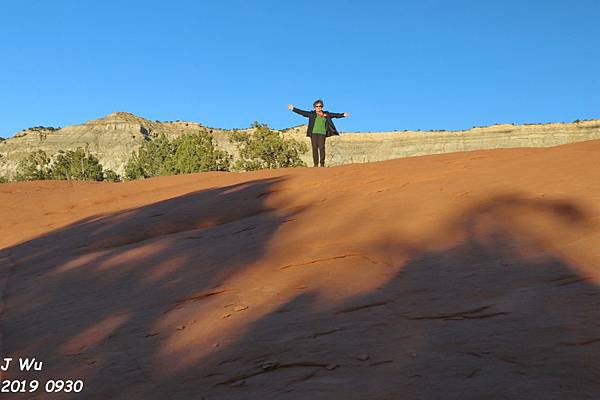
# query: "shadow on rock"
498,314
88,299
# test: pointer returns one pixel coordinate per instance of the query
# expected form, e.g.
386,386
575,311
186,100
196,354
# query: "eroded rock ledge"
114,137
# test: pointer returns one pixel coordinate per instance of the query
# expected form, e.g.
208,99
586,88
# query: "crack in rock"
304,378
458,315
362,307
582,343
272,367
472,374
317,334
179,303
318,260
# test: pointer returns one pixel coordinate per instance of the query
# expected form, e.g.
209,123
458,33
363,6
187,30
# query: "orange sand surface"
460,276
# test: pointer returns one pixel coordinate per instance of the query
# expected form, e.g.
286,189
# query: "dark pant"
318,149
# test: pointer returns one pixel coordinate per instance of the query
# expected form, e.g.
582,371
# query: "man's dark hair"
318,101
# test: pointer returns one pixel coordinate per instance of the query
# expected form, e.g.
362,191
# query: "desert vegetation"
42,128
260,148
183,155
77,164
265,148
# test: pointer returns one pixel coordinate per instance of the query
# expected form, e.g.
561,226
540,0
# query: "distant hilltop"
114,137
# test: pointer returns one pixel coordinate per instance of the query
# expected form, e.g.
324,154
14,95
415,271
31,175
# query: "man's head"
318,105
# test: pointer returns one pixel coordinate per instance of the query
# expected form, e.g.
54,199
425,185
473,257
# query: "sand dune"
458,276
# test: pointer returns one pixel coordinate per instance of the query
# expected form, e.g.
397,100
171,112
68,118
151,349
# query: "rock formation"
113,138
472,275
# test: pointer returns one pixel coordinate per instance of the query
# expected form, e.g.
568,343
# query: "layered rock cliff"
379,146
114,137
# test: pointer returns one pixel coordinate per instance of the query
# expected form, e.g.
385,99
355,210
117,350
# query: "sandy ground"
459,276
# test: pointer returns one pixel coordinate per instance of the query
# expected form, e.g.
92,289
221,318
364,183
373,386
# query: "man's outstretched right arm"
299,111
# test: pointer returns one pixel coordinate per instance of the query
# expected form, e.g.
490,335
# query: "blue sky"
394,65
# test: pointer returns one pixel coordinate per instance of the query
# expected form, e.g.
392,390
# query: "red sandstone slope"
467,275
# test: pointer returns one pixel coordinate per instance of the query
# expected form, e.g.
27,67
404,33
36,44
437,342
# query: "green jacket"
312,116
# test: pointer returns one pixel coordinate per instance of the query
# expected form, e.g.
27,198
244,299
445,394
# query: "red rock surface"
459,276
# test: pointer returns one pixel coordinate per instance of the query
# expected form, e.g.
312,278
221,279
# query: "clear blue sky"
394,65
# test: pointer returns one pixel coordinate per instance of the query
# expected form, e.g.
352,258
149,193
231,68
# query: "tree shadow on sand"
106,278
499,314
